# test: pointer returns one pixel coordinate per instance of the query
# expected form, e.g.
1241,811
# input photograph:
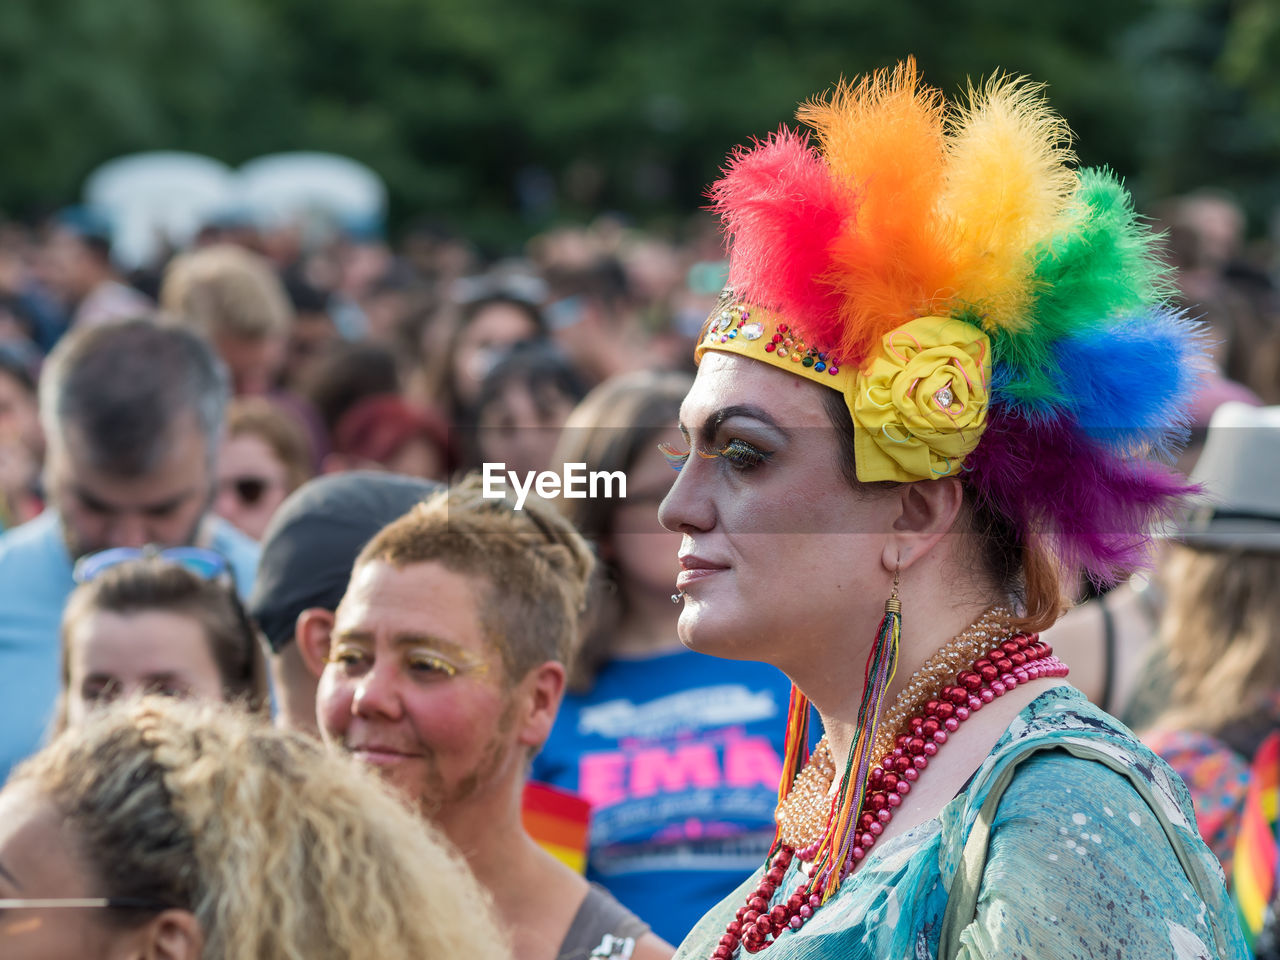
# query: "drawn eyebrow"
707,431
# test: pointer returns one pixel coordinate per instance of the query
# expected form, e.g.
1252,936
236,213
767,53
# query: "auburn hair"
1012,564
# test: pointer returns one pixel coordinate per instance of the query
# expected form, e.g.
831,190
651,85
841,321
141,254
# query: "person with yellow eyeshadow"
444,672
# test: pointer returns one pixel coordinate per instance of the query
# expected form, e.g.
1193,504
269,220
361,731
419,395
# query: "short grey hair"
124,385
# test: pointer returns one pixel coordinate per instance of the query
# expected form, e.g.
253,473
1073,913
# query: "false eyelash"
674,456
738,452
742,454
678,459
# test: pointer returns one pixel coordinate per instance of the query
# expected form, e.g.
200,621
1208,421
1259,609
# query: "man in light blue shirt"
133,413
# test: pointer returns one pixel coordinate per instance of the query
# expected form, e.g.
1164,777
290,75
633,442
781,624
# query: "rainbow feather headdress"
988,310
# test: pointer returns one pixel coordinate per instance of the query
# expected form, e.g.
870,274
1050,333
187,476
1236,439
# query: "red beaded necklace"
1017,660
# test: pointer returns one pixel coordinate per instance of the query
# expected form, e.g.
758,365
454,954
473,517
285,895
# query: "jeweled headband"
986,309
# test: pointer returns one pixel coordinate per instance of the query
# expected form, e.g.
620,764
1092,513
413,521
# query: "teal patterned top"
1078,868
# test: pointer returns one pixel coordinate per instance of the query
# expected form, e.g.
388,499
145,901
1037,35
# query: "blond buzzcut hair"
226,291
533,567
279,847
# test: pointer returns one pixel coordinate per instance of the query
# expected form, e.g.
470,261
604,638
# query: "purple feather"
1097,509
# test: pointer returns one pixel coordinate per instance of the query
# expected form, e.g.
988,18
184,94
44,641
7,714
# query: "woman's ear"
173,935
542,691
928,511
311,632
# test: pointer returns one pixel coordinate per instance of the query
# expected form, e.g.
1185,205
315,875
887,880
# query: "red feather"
782,212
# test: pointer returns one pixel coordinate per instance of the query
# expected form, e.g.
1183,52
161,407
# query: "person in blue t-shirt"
132,414
679,753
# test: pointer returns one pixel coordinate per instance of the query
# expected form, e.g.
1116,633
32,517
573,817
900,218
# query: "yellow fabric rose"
920,405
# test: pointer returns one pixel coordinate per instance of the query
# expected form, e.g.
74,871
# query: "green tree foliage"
85,81
1209,88
500,116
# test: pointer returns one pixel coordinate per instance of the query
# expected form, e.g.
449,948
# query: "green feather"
1105,263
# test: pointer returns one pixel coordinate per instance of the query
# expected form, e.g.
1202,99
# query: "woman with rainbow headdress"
942,374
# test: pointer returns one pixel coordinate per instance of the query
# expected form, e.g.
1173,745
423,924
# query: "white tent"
307,188
158,197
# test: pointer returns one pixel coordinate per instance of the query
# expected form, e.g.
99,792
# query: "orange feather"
885,139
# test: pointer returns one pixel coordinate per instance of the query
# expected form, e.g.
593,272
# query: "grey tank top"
602,929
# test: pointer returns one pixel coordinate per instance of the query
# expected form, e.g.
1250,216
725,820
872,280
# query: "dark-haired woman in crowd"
522,406
678,753
486,328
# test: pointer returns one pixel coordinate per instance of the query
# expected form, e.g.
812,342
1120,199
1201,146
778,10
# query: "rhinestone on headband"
731,321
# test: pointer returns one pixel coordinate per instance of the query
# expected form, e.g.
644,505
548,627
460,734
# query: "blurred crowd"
348,353
274,555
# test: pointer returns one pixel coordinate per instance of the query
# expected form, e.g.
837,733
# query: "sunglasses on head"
206,564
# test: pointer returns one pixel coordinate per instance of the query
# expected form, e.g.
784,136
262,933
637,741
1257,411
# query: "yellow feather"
1009,181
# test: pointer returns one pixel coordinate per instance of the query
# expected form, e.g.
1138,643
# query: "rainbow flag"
1254,872
557,819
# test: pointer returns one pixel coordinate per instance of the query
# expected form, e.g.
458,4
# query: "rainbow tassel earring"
795,749
835,857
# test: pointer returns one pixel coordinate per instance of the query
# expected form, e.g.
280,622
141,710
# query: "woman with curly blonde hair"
171,829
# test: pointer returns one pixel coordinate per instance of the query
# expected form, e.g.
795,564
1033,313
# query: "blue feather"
1131,414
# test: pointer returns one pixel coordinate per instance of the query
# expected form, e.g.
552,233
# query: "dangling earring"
795,754
893,606
839,849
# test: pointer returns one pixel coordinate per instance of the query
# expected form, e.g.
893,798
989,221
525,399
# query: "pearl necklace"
1004,665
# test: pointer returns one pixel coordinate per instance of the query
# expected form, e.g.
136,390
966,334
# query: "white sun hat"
1239,471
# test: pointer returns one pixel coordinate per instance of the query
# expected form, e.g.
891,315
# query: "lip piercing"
677,597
